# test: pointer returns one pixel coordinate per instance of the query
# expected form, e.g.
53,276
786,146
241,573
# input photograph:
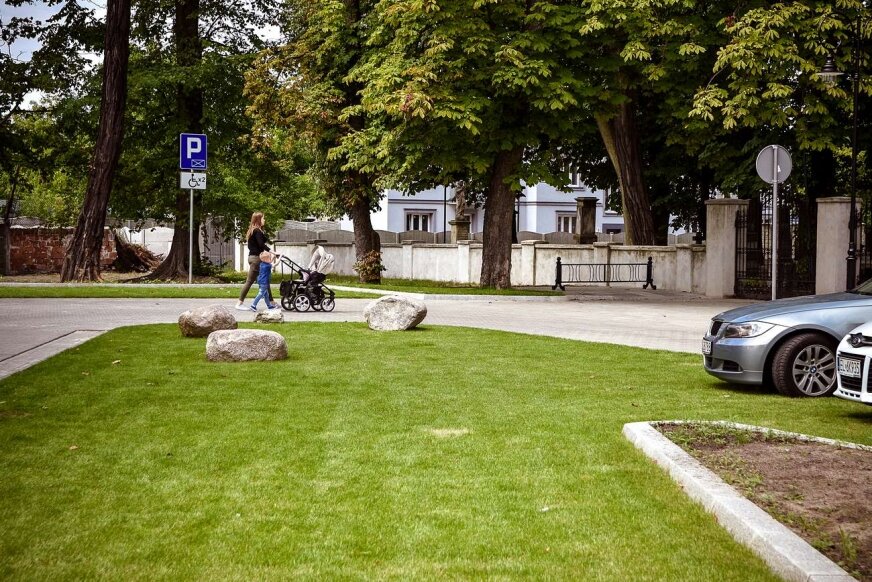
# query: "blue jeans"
262,293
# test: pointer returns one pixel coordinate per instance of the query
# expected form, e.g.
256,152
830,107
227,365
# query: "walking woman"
256,245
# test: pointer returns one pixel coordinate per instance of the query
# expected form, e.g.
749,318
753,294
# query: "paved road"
34,329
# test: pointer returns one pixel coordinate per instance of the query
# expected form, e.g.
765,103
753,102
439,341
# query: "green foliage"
301,97
765,80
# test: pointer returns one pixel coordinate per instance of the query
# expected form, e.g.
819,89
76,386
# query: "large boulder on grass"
245,345
201,321
394,313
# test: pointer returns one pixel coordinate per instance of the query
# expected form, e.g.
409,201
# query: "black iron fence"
797,229
604,273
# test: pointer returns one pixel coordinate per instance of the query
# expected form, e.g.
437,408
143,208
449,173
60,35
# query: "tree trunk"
82,262
189,108
622,144
496,258
366,240
7,217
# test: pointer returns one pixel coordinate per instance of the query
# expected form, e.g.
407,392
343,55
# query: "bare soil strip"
819,491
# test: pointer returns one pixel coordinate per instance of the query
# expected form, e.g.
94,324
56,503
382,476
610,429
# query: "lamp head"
829,73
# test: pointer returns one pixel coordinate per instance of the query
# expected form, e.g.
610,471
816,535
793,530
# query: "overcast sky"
23,48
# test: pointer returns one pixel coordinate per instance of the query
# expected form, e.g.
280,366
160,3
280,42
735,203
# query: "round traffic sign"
774,164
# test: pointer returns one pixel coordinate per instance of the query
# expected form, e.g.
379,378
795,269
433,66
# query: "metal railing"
604,273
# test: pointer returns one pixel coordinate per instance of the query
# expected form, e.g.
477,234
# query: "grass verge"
415,286
366,455
145,291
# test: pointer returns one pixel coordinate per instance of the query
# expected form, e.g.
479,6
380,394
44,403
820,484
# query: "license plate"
706,347
850,368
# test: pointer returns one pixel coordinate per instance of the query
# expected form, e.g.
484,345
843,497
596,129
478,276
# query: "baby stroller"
305,288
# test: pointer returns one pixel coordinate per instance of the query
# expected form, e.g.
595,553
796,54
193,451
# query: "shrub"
370,267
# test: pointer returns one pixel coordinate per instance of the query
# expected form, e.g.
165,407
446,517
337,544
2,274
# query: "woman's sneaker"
241,307
253,308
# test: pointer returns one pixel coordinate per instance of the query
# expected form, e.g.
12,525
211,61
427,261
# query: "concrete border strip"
787,554
37,354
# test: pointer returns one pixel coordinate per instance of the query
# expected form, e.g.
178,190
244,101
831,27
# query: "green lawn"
436,287
413,286
444,453
146,291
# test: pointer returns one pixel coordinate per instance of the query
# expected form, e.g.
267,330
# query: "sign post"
192,156
773,167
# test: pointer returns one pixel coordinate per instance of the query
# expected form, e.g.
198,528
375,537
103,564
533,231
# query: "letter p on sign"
192,151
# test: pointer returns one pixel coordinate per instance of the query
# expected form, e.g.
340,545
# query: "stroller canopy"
322,261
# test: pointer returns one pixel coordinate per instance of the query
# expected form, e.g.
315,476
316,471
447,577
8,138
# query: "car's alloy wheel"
805,365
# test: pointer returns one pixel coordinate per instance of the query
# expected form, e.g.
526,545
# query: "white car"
853,359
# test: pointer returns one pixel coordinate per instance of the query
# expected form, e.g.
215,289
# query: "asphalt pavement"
32,330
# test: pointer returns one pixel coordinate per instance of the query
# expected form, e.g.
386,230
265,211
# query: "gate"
797,245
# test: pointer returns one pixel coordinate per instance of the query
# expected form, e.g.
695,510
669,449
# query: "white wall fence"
706,269
677,267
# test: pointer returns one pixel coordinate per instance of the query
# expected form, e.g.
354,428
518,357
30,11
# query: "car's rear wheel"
805,365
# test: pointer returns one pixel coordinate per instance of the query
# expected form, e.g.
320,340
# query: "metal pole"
774,223
191,239
444,211
851,279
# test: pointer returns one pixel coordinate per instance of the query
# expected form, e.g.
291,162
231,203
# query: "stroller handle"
288,262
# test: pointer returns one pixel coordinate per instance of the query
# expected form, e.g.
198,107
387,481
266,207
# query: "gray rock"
270,316
245,345
394,313
202,321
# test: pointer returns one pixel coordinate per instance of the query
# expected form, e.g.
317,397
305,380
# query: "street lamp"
830,74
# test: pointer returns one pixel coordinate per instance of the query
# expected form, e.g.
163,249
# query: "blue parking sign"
192,151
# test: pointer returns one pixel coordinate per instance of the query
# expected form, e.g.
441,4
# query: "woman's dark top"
257,243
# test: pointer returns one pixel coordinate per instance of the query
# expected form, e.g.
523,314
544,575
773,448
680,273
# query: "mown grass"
440,453
413,286
144,291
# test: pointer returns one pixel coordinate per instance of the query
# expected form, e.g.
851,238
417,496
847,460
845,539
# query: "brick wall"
42,250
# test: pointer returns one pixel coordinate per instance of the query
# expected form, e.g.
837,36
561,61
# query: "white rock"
270,316
245,345
394,313
202,321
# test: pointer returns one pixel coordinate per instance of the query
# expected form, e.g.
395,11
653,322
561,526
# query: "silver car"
788,343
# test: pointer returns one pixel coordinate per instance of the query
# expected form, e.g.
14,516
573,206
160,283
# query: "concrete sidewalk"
32,330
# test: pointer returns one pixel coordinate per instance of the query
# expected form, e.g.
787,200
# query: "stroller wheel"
302,303
287,304
327,304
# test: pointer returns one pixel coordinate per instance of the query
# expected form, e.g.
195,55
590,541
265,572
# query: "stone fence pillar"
720,246
528,262
408,258
585,220
462,261
833,235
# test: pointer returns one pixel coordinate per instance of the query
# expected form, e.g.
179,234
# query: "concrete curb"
37,354
786,553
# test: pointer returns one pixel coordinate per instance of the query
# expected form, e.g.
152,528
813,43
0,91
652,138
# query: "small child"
263,280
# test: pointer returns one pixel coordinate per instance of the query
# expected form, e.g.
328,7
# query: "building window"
566,223
419,221
574,176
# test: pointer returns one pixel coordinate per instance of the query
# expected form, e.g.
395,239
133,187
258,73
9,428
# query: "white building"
541,208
